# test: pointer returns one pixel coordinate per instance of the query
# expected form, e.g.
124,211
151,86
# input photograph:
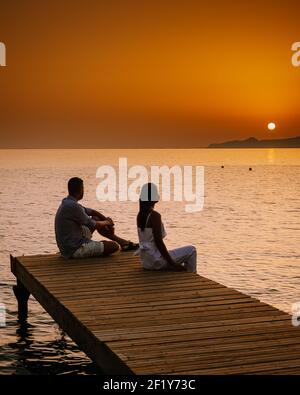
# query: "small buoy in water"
250,168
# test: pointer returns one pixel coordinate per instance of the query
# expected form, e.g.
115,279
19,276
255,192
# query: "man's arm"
80,215
93,213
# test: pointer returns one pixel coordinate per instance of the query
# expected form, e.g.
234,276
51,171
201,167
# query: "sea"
246,231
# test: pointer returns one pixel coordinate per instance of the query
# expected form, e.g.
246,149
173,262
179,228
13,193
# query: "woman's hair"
148,197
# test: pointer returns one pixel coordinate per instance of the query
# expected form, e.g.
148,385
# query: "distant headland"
252,142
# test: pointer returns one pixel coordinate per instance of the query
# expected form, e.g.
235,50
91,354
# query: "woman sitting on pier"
153,251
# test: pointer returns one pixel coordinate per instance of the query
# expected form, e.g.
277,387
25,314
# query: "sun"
271,126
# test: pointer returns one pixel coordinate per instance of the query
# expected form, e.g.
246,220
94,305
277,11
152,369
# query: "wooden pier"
132,321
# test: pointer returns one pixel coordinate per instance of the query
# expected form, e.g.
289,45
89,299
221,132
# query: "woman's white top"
150,255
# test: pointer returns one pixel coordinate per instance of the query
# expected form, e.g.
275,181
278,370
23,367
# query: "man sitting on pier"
74,225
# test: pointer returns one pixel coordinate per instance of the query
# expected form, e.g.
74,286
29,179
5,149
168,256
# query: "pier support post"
22,295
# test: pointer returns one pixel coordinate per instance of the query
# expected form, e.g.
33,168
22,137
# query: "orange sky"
147,73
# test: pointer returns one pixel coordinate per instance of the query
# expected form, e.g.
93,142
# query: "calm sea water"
247,235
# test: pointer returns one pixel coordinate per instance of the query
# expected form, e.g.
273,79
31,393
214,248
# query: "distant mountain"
252,142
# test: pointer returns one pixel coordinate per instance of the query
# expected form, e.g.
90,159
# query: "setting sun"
271,126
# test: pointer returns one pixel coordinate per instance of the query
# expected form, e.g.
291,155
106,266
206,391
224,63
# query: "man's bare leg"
109,233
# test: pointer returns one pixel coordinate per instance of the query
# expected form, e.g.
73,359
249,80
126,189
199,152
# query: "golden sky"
147,73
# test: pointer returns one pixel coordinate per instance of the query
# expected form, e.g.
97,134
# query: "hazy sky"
147,73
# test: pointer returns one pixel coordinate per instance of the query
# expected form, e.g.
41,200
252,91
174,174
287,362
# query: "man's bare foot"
129,246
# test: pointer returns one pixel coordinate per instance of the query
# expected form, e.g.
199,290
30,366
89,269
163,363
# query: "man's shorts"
91,248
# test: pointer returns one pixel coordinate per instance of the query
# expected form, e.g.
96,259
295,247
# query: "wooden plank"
203,301
98,281
174,311
129,320
278,371
253,368
76,293
139,323
126,287
206,333
173,329
234,367
114,273
151,295
169,315
206,345
215,358
85,339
